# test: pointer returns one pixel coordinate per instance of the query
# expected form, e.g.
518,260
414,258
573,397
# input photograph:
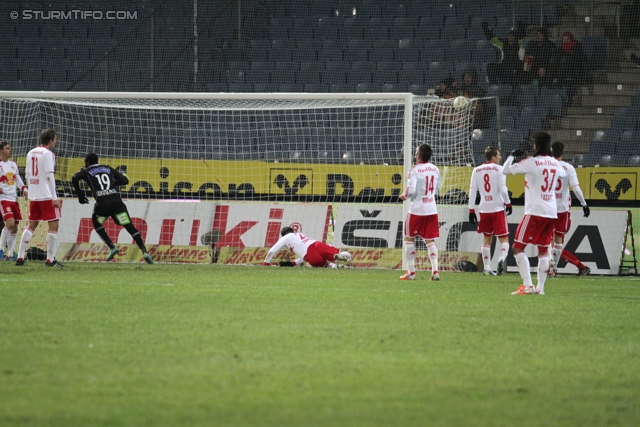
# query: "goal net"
330,149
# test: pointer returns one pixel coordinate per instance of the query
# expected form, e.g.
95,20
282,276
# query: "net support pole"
408,155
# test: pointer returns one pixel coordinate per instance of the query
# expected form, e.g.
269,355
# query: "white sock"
11,244
504,250
24,242
557,250
52,246
410,256
433,256
4,237
486,257
543,271
524,267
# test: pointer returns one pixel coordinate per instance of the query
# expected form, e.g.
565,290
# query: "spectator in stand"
469,86
447,88
541,56
572,67
510,70
471,89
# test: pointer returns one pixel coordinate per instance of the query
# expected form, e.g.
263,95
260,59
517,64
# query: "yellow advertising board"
192,176
187,176
97,252
362,258
595,183
606,184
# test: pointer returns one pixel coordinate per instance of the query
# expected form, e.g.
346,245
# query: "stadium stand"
325,45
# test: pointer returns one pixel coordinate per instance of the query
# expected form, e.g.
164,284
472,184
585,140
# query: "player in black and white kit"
104,182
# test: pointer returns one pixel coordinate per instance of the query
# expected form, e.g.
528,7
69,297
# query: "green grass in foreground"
170,345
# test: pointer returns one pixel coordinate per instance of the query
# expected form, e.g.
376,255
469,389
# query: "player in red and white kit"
44,204
489,180
316,253
541,173
563,200
10,182
422,219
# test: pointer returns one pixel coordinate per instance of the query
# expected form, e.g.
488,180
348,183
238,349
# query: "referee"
104,182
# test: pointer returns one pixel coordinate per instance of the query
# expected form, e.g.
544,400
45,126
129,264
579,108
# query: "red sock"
571,258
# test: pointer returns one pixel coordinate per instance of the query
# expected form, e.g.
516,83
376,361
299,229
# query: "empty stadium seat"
485,51
417,89
513,139
625,118
595,49
634,161
502,92
363,87
316,88
253,54
356,54
359,76
482,138
380,55
460,50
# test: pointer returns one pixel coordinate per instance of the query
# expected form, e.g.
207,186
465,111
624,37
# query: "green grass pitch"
209,345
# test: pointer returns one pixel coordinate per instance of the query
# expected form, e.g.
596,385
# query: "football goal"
294,148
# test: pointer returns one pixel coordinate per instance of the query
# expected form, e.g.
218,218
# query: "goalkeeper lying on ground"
316,253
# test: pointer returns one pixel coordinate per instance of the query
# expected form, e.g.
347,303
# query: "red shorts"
493,223
563,223
43,210
319,253
425,226
535,230
10,209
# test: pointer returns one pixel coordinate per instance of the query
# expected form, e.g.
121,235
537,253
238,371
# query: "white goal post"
264,148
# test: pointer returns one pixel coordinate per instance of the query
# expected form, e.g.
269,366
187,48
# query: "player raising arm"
104,182
541,174
10,181
316,253
563,200
489,180
43,199
422,219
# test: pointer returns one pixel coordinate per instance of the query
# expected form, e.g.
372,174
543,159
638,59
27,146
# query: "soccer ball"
460,103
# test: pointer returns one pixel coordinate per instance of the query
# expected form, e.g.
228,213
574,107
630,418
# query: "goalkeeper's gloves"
472,216
586,211
508,209
517,153
83,200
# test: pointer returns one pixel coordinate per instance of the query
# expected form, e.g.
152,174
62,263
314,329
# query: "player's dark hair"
542,143
286,230
490,151
91,159
557,148
46,136
424,153
3,144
